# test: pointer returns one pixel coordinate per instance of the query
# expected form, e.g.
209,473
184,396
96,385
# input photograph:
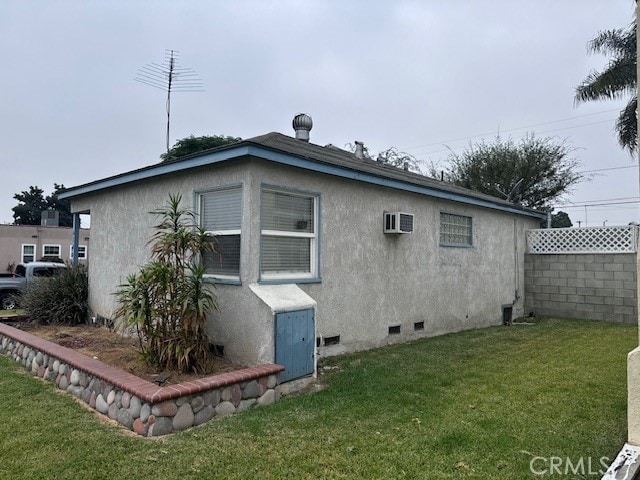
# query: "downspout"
516,262
76,238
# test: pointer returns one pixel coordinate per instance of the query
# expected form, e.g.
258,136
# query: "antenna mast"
170,77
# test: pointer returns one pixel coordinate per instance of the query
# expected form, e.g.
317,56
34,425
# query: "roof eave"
247,148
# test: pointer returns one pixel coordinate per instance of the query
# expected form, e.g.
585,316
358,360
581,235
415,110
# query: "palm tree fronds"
617,80
627,126
618,42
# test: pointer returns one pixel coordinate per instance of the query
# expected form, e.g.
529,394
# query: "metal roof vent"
302,124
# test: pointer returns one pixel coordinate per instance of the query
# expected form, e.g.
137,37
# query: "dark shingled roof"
342,158
328,156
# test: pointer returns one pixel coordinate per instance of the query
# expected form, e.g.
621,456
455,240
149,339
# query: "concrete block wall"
592,286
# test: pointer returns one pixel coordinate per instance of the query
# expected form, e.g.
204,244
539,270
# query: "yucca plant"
167,301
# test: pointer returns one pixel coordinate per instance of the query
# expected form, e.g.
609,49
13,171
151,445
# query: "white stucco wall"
370,280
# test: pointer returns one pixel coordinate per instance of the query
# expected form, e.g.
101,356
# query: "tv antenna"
170,77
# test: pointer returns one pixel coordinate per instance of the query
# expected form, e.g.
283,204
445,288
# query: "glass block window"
289,235
455,230
221,217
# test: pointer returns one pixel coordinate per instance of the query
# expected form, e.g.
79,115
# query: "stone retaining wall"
593,286
137,404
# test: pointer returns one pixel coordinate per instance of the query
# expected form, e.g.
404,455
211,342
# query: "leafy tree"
166,301
533,172
617,80
561,220
30,205
32,202
558,220
391,156
191,144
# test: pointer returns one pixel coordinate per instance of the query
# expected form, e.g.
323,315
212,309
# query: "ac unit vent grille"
406,222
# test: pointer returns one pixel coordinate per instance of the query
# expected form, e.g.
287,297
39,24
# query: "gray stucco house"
314,258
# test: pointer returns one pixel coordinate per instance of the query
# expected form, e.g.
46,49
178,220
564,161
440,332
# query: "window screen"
288,239
221,217
286,255
291,213
51,250
82,252
28,253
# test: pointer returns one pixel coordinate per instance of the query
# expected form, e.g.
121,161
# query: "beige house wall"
633,362
13,237
369,281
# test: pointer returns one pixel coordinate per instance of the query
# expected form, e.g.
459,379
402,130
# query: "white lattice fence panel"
583,240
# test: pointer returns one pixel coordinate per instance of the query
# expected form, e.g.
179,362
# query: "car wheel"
8,301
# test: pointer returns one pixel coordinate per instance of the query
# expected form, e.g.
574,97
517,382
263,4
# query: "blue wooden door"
295,343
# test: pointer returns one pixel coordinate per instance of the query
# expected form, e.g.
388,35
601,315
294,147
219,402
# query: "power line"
603,200
513,129
607,169
599,204
450,149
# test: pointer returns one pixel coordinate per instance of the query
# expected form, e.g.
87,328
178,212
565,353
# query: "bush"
60,300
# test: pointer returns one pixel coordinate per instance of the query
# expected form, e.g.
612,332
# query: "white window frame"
59,247
215,233
313,273
82,252
456,244
22,260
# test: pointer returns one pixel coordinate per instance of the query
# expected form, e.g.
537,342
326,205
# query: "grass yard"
479,404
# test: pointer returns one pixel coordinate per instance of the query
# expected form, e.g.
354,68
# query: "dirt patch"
117,350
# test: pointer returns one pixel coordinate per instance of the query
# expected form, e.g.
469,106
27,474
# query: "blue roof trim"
294,161
385,182
155,171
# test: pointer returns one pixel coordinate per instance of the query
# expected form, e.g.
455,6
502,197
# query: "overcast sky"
422,76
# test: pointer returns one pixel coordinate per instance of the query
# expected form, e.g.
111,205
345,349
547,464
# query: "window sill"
456,245
222,281
284,281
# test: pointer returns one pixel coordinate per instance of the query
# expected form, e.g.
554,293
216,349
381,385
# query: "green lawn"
478,404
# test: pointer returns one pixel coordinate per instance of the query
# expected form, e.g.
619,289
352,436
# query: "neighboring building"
27,243
305,258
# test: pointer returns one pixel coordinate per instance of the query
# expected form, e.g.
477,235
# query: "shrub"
166,301
60,300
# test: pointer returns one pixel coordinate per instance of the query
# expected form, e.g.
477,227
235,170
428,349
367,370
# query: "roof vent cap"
302,124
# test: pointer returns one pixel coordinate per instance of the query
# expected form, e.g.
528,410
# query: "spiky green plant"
167,300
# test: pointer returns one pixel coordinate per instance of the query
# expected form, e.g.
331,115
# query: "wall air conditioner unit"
398,222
